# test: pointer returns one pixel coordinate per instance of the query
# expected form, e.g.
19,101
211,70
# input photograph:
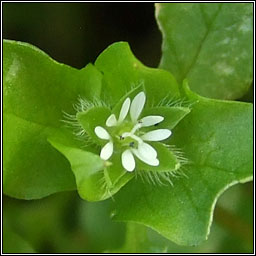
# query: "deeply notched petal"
107,151
102,133
151,120
124,110
137,106
128,160
111,121
147,160
157,135
147,150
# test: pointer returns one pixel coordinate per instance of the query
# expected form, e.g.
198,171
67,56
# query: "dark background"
76,33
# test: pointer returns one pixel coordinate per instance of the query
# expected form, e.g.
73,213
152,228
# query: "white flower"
137,145
111,121
107,150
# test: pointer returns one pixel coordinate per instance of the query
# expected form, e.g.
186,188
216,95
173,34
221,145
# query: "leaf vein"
208,26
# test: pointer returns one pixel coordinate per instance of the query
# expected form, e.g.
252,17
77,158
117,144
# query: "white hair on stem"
165,178
169,101
70,120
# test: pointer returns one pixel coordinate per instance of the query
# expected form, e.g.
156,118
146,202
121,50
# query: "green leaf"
32,168
210,44
36,91
122,71
92,118
217,139
95,179
87,168
231,232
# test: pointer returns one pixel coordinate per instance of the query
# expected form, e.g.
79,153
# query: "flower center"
124,135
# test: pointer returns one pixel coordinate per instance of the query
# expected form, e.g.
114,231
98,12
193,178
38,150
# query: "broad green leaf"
231,232
32,168
210,44
95,179
217,139
36,92
122,72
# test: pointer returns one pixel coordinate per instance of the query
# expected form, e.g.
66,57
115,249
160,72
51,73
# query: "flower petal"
107,151
135,128
128,161
111,121
157,135
151,120
102,133
137,106
147,151
126,134
149,161
124,110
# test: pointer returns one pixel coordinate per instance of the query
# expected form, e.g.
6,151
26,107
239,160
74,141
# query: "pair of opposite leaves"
209,137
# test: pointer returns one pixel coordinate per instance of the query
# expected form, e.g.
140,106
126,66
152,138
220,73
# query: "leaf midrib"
208,26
